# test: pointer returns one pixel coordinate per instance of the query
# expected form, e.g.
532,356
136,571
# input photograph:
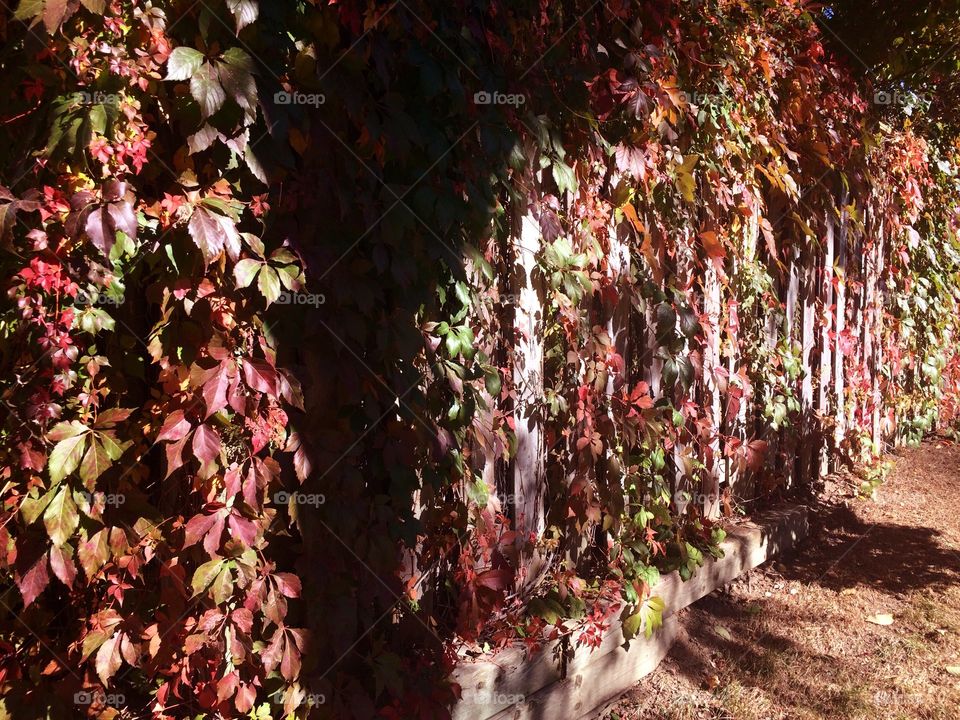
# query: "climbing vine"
263,370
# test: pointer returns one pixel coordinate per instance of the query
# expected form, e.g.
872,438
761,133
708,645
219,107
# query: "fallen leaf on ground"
880,619
953,669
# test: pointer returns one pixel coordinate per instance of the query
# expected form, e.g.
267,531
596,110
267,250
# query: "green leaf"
95,462
183,63
564,177
32,507
491,379
61,517
66,457
245,271
205,575
631,626
269,284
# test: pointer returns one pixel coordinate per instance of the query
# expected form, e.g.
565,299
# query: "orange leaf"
712,244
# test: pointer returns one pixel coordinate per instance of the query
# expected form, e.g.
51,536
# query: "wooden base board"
512,686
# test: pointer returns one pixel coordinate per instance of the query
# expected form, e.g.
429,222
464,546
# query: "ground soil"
794,638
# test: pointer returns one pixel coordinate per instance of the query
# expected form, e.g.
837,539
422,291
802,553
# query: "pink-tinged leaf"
109,418
64,430
302,464
61,562
206,444
197,527
288,584
94,553
129,650
34,580
175,456
243,619
245,698
290,663
236,395
300,638
109,659
215,391
213,233
123,218
227,686
260,376
243,529
95,462
54,12
499,579
99,229
290,389
175,427
756,454
274,652
211,543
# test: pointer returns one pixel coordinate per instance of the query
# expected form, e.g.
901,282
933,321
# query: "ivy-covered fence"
344,338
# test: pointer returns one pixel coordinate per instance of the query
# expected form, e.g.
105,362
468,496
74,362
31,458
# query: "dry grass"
792,640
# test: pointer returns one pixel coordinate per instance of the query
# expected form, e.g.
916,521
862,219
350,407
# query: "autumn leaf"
61,517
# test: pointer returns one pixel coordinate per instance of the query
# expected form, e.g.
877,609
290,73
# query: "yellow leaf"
880,619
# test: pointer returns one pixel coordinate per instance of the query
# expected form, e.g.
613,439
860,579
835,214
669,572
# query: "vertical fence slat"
529,481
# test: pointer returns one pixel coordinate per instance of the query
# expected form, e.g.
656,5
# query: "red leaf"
290,663
206,444
175,427
198,526
215,391
260,376
34,580
61,562
499,579
243,529
175,455
288,584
